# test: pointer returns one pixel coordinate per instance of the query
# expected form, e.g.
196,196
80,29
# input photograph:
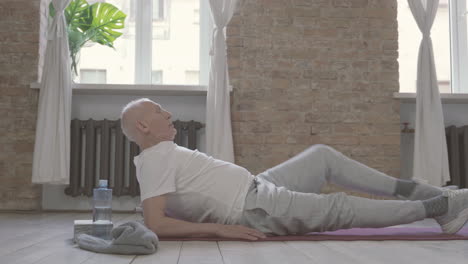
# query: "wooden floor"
46,238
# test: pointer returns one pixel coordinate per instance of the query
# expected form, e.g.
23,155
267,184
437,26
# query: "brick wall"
19,30
315,71
304,72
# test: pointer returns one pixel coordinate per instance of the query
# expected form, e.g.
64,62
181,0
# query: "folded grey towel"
131,238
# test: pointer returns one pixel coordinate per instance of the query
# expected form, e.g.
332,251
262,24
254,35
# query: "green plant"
91,23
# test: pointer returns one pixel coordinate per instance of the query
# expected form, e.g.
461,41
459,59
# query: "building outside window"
157,77
159,9
192,77
196,17
93,76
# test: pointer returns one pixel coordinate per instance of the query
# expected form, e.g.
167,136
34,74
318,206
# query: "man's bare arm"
158,222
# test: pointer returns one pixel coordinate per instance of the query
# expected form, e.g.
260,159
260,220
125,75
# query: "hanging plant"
90,23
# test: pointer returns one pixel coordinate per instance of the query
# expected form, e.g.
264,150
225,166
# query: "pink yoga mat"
355,234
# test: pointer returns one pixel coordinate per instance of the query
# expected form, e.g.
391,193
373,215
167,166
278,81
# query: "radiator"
457,149
99,150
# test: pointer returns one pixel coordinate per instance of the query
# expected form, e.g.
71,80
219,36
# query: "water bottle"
102,211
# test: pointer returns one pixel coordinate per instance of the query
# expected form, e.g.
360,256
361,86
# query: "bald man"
186,193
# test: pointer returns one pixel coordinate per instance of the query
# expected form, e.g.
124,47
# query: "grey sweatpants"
285,199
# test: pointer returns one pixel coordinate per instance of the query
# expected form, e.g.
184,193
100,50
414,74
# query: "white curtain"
52,146
43,28
430,148
218,112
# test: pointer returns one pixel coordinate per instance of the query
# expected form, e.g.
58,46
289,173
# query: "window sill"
448,98
133,89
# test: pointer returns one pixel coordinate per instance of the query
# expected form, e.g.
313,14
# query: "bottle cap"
102,183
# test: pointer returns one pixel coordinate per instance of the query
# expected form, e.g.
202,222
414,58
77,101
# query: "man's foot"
457,214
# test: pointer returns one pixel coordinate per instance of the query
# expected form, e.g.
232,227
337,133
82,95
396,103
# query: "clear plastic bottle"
102,211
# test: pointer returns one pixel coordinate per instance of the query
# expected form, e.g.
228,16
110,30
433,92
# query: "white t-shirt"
199,188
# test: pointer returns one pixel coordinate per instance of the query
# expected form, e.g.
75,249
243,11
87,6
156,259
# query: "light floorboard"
47,238
206,252
168,252
264,252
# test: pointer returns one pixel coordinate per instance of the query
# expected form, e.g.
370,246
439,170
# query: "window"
159,37
196,17
157,77
459,46
443,3
192,77
161,29
161,21
450,42
92,76
159,9
131,15
409,39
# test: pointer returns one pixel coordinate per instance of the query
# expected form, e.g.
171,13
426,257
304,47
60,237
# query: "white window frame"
206,29
143,41
458,46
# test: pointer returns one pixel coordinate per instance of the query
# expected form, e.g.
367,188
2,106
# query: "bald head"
132,112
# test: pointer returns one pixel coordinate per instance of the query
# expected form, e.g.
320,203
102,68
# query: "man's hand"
163,226
238,231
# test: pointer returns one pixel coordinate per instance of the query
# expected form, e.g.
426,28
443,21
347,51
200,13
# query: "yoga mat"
355,234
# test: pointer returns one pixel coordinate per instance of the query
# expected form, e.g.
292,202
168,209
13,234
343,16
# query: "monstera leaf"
106,19
91,23
77,15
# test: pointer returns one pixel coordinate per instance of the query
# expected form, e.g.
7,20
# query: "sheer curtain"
43,25
51,163
430,148
218,112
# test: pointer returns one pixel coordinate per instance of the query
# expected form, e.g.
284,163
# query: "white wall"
454,114
99,107
193,108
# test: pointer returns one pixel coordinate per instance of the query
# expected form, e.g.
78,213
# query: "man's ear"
142,126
